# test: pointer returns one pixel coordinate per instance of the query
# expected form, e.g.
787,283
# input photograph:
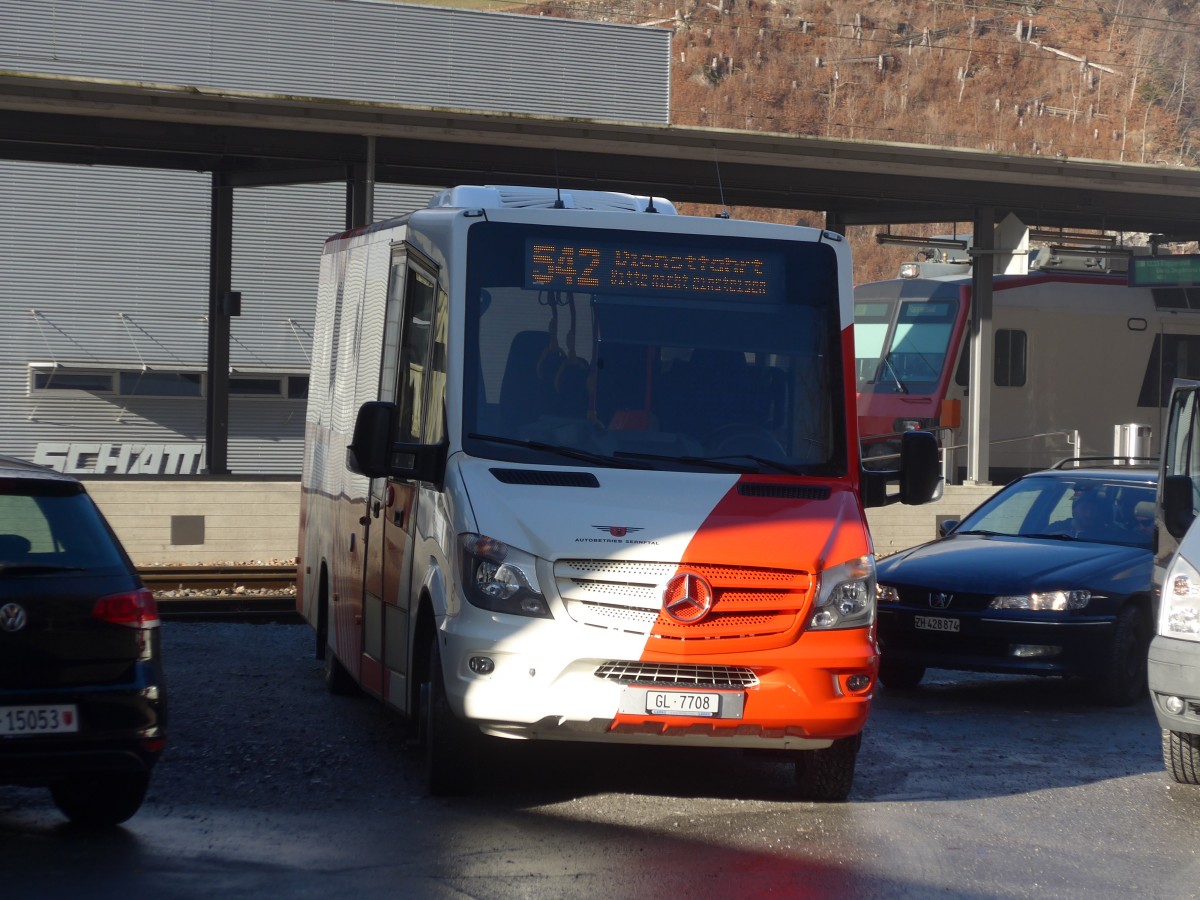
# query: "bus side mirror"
372,452
920,470
368,453
919,475
1177,510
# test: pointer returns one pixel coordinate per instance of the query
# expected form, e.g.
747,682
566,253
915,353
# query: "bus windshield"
651,349
901,346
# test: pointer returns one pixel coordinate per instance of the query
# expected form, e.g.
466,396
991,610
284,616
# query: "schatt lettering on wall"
122,459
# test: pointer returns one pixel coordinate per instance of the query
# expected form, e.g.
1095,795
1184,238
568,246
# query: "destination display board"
653,269
1178,270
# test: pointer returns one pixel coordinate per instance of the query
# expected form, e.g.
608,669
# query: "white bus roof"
500,197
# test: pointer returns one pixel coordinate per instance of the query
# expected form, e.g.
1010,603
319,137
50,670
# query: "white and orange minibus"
580,468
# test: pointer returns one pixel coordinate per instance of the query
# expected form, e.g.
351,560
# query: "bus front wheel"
448,744
826,776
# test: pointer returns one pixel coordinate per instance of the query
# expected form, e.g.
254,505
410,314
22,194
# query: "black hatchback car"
1053,575
82,700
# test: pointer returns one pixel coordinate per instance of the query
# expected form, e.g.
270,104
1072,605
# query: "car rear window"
53,525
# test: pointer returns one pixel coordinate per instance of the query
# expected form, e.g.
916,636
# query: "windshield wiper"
900,385
570,452
690,460
620,458
763,461
1057,536
717,462
982,531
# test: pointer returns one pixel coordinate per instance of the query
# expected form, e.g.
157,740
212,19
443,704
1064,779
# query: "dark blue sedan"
1051,576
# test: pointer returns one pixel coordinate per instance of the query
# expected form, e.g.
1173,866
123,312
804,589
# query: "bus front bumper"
547,681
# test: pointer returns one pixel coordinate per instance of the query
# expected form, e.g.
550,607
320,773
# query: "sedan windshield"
1083,508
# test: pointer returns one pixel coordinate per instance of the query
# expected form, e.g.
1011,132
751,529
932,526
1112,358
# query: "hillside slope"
1111,80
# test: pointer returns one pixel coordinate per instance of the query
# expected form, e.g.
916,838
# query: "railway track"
222,579
223,592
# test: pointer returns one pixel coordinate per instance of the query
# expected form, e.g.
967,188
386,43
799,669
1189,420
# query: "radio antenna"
724,213
558,204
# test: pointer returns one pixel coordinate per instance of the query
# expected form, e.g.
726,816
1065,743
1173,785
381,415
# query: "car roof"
1143,475
1132,473
11,467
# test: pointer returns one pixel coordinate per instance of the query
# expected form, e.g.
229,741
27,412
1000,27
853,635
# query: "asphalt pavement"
973,786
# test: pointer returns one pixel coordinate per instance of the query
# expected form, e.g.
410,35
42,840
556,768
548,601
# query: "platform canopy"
262,139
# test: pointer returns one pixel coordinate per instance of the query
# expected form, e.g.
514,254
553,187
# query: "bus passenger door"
388,575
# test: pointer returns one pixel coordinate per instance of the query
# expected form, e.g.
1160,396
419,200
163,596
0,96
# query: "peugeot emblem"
940,600
687,598
12,617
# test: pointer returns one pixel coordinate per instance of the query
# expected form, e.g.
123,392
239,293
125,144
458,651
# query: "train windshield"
653,350
902,344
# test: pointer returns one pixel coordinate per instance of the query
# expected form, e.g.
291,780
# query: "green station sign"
1180,270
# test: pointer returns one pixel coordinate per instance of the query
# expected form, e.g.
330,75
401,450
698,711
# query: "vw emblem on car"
12,617
939,600
687,598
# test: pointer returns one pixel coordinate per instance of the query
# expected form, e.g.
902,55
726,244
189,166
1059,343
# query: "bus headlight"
845,595
501,578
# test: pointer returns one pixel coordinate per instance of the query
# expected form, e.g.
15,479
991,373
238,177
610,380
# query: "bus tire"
338,681
826,776
1181,756
448,745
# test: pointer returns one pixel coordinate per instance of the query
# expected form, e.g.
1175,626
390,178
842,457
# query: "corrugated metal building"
104,272
103,305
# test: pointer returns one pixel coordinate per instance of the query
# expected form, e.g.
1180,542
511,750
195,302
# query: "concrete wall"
898,527
208,521
240,521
